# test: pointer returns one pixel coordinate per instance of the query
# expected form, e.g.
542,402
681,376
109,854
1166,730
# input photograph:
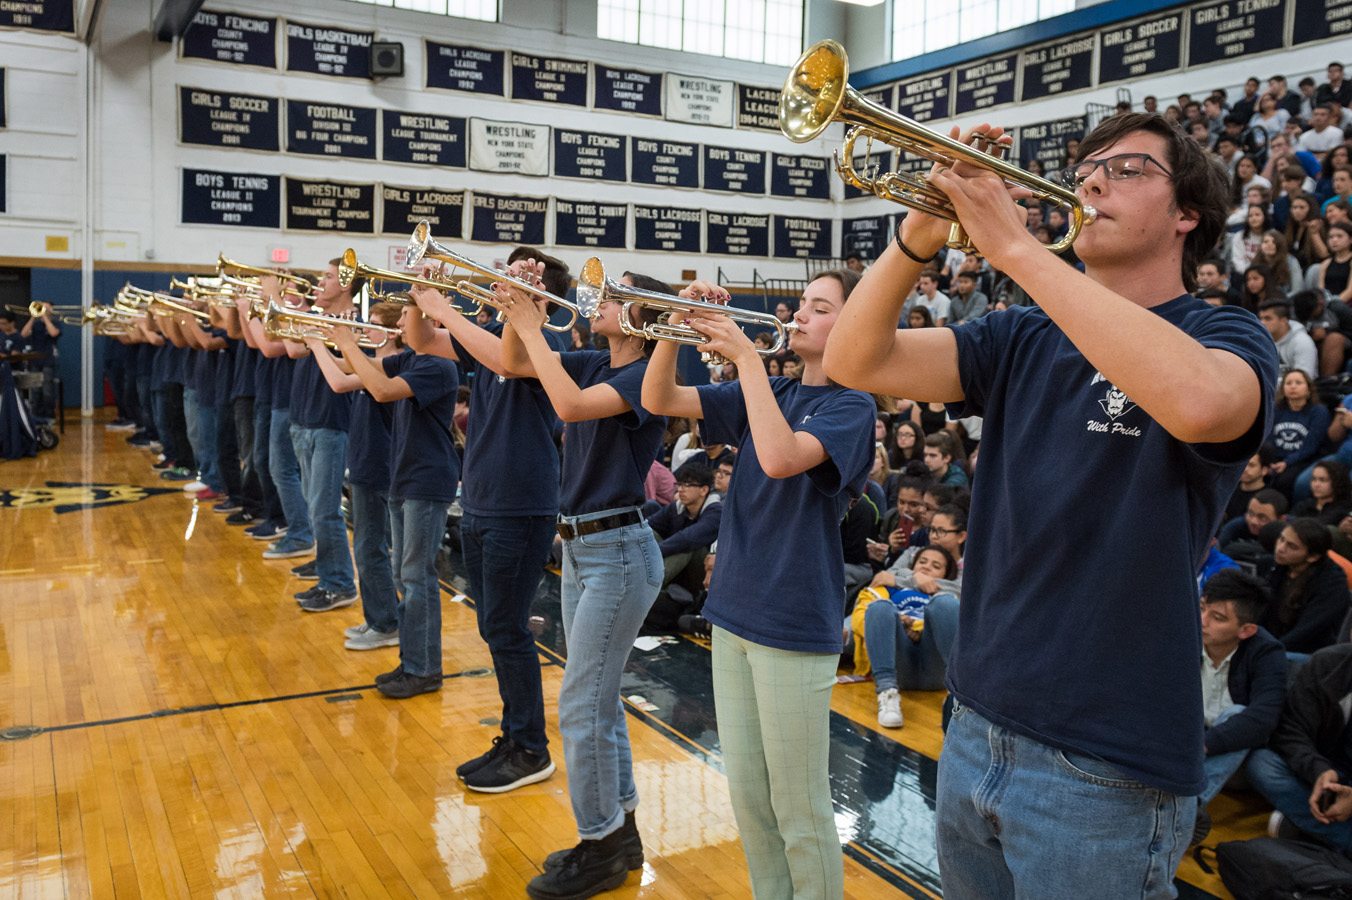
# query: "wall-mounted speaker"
387,58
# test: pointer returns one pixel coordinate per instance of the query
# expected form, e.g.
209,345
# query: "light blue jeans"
1284,789
371,542
609,583
899,662
285,470
1017,818
322,454
1220,767
417,527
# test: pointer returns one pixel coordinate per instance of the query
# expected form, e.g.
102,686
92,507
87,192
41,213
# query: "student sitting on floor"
1309,590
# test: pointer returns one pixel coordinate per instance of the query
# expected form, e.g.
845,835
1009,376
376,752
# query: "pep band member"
805,450
1074,755
612,571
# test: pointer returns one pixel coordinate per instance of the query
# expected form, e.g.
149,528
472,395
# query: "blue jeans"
322,454
190,418
208,457
899,662
286,476
1272,777
1017,818
162,426
371,543
1220,767
145,408
227,451
609,583
505,557
262,440
417,527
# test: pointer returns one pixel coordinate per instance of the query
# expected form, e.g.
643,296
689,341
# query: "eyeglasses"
934,529
688,484
1122,167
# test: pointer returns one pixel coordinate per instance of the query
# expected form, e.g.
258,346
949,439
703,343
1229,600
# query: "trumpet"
817,93
228,267
34,309
422,246
282,323
132,299
597,288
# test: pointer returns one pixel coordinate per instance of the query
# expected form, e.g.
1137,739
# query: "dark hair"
1212,294
1267,454
647,315
1304,303
695,473
1276,304
848,279
1327,165
1248,593
556,278
1270,293
924,313
918,450
956,514
971,276
940,439
1314,534
1199,185
950,564
355,285
1273,498
1346,207
1263,228
1312,400
1212,261
7,315
908,482
1342,482
463,393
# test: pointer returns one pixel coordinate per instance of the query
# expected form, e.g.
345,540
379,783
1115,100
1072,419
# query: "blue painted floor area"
883,790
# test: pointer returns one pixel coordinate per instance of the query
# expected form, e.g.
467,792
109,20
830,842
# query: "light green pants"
774,717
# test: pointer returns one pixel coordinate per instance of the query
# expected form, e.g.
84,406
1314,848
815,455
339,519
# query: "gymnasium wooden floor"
174,727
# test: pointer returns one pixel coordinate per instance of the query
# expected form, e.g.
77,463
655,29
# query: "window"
768,31
483,10
922,26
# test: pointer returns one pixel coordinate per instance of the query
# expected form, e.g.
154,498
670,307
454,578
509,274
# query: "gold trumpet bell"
808,104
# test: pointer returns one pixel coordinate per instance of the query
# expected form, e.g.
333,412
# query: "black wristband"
904,249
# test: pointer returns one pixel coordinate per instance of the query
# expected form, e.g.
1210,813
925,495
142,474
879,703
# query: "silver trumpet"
594,288
282,323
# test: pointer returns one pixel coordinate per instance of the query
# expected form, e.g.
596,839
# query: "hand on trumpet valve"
706,291
345,339
523,310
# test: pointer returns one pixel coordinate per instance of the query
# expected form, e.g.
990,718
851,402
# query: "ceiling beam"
173,18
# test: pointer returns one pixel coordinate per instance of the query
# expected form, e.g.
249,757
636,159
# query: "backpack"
1275,869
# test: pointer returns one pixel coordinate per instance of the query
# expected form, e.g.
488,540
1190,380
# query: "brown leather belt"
604,523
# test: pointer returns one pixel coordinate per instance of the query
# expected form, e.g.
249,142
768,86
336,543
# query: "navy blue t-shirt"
201,377
511,467
368,442
283,375
263,376
242,378
145,360
11,343
313,403
39,341
1298,434
606,460
1089,523
160,358
423,461
787,594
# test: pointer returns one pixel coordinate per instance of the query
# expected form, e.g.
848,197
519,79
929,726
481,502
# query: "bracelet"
904,249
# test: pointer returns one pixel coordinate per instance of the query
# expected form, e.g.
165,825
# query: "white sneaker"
889,708
159,458
192,487
1274,829
370,639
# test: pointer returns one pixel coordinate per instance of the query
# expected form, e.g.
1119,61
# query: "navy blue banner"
423,138
39,15
229,198
402,208
586,154
1059,68
737,234
1147,47
668,163
1229,29
549,79
508,219
986,83
237,121
927,97
325,50
231,38
667,228
330,206
627,91
880,159
806,177
582,223
798,237
865,237
1046,142
330,129
731,169
461,67
1321,20
4,185
758,107
4,118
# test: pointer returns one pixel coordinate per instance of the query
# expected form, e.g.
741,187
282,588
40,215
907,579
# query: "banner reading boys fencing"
515,147
585,154
231,38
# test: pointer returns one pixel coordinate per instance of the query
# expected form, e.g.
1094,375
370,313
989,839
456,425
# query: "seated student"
1330,498
944,533
1251,482
1306,770
1309,590
686,527
939,457
1299,426
856,528
1295,348
899,527
967,303
1265,506
1243,680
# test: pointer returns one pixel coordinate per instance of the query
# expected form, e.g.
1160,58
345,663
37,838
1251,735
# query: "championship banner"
667,229
423,139
586,154
986,83
1321,20
330,129
1046,142
38,15
737,234
1232,28
1058,68
402,208
798,237
865,237
4,117
461,67
582,223
508,147
882,159
330,206
731,169
667,163
699,101
235,121
548,79
231,38
802,177
324,50
627,90
240,199
926,98
1138,49
508,219
758,108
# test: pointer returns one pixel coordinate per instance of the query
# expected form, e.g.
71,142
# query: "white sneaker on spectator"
889,708
1274,824
192,487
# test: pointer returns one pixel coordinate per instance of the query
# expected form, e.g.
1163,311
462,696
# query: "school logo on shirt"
805,418
1115,404
502,379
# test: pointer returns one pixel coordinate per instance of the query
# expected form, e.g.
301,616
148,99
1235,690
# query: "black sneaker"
239,518
163,465
696,626
139,441
501,744
584,871
406,685
1202,827
327,600
633,847
227,505
386,677
309,593
516,768
307,572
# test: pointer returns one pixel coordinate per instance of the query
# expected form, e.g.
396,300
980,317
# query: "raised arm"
480,343
369,371
661,393
342,382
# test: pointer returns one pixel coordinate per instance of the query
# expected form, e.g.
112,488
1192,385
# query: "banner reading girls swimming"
231,38
549,79
508,219
325,50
